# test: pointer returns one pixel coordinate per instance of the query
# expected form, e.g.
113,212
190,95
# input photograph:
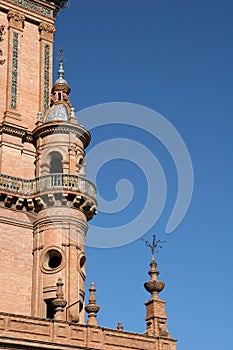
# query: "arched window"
56,163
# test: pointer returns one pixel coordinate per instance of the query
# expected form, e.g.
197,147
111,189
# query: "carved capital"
16,20
47,31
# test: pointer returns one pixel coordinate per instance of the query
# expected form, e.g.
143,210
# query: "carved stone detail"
16,20
46,27
2,61
34,203
2,33
47,31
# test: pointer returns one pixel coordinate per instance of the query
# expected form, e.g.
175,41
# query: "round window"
52,260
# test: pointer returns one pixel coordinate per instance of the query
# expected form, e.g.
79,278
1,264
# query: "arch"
56,163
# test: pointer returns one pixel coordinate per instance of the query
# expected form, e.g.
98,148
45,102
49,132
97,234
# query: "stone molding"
16,222
62,128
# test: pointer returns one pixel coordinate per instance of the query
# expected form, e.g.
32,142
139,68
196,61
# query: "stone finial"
59,303
154,286
92,308
120,326
155,307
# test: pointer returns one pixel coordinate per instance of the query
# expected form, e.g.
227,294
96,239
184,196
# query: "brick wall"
15,262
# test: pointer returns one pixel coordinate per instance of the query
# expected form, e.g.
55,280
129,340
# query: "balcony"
41,184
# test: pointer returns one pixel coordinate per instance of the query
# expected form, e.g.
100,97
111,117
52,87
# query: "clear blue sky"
175,57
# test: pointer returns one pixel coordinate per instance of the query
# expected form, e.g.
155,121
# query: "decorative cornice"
62,128
34,204
16,131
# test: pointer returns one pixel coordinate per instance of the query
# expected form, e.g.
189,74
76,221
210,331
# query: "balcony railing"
46,183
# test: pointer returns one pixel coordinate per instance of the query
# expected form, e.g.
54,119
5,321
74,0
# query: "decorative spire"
61,71
154,286
155,307
59,303
92,308
60,105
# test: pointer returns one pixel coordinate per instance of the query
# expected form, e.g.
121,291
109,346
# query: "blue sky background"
175,57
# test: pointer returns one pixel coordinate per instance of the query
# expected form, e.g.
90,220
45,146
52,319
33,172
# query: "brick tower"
46,201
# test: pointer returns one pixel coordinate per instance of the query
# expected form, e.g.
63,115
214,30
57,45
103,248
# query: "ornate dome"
57,112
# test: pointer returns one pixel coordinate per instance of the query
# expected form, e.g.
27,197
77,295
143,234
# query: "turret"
64,203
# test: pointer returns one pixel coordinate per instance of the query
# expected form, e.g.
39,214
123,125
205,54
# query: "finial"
156,244
59,303
120,326
92,308
154,286
61,69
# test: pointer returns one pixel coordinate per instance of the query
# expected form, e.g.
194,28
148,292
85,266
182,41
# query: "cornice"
17,131
44,8
62,128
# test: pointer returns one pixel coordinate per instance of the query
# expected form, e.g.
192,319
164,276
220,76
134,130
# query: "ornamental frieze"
31,5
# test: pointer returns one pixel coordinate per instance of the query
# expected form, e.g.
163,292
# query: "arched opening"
56,163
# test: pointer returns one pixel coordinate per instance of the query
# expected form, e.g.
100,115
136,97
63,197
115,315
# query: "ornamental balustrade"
45,183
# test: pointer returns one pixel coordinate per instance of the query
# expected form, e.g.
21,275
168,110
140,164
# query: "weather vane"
155,245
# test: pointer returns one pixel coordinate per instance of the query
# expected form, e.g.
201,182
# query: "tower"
45,198
46,201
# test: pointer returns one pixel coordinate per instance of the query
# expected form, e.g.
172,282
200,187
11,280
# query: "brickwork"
61,335
29,79
15,261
